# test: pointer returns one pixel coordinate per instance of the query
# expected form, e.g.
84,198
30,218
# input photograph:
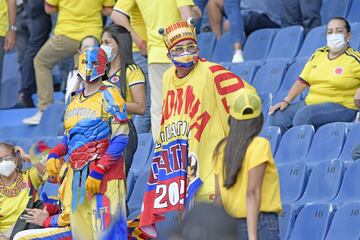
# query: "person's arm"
253,199
298,87
10,36
50,9
187,12
54,162
357,98
120,18
138,105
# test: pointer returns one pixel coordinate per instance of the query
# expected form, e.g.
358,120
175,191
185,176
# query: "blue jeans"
316,115
39,29
268,227
143,122
233,11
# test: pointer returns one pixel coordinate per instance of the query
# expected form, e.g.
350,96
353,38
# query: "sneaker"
34,120
238,57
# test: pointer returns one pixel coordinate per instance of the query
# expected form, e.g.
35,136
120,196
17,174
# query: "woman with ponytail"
246,178
125,74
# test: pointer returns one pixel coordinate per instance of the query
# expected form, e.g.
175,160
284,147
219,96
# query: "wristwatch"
13,28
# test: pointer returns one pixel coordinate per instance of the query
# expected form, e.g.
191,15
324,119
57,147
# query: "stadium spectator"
125,74
7,28
96,133
142,122
301,12
246,178
54,218
196,94
18,190
74,82
72,25
332,75
156,13
39,25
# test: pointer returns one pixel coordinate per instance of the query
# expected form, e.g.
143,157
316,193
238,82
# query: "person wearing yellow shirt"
196,96
7,28
246,178
18,190
117,43
156,14
332,75
76,19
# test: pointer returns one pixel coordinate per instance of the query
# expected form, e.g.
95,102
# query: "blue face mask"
108,50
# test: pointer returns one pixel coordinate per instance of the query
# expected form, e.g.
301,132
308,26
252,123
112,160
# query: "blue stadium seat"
10,67
294,144
352,140
136,198
286,221
226,65
327,143
286,44
312,222
206,43
324,183
350,187
346,223
292,181
244,70
258,44
165,228
51,122
315,39
353,14
223,51
9,92
273,134
265,102
334,8
292,74
22,131
16,116
269,77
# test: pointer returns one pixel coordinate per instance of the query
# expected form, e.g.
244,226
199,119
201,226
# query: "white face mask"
336,41
7,168
108,50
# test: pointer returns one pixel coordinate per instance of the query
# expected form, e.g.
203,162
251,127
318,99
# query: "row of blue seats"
333,141
348,9
264,45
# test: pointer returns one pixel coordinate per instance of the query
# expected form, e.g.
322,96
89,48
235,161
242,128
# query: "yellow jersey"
332,80
134,76
234,199
4,20
156,14
196,109
77,19
136,21
24,188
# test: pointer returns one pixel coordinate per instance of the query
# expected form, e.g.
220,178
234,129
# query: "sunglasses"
191,48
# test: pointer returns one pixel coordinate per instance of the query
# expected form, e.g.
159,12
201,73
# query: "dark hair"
12,150
242,132
123,40
347,25
97,43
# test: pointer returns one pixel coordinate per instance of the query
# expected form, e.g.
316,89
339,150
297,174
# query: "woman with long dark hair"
246,178
117,43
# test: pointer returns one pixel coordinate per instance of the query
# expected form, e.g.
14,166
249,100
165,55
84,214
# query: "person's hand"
197,12
10,39
93,181
22,153
280,105
143,48
2,237
35,216
53,165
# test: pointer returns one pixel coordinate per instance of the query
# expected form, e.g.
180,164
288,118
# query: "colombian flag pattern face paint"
92,63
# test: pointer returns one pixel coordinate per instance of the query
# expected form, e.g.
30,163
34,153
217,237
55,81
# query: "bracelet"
285,102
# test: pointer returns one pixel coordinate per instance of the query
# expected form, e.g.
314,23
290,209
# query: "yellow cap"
246,105
178,32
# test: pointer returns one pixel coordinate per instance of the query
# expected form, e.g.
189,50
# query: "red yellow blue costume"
95,136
